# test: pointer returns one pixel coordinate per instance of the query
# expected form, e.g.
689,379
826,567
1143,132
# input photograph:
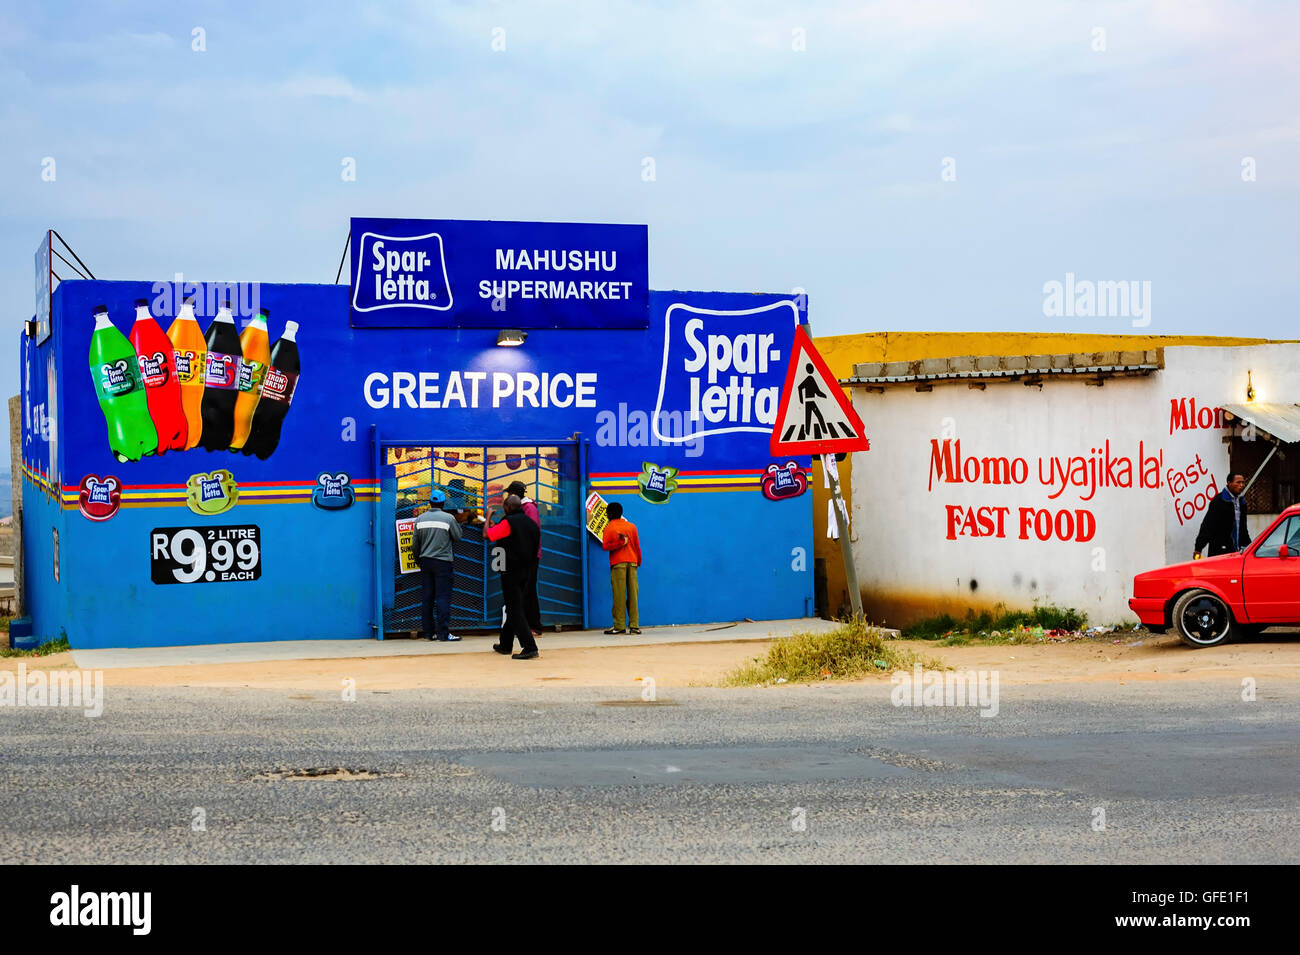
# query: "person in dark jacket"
531,604
1223,529
518,538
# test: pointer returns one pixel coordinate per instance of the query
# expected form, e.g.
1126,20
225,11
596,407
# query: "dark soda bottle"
157,360
277,394
221,381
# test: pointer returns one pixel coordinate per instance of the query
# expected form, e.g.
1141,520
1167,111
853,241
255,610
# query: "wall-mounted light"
1250,388
512,337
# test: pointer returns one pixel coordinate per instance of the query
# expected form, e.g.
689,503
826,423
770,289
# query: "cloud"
330,87
775,166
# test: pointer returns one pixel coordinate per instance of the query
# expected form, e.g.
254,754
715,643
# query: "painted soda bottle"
191,352
220,381
277,393
120,390
256,348
157,361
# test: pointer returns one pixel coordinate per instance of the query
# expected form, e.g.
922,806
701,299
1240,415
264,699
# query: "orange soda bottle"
191,356
255,343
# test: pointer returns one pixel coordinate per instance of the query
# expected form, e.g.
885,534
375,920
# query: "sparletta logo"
727,368
185,366
155,369
116,378
213,493
250,375
401,272
333,492
783,481
222,370
656,484
99,499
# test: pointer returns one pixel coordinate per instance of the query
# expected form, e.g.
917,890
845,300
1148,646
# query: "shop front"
1025,480
181,489
472,477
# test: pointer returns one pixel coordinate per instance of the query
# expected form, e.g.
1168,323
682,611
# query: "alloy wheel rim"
1205,620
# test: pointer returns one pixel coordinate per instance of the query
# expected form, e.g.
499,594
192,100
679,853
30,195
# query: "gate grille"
474,477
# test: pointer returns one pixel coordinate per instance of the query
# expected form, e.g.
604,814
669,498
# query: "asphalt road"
1185,772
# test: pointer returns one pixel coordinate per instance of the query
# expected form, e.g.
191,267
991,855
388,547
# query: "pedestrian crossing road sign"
815,416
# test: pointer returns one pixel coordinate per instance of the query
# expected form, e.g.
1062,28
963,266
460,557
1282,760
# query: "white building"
1053,479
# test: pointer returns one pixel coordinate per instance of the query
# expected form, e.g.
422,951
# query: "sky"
917,165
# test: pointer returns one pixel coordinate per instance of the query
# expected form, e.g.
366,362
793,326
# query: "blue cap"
437,497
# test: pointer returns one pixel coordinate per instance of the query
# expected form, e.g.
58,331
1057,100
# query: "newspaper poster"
596,519
406,546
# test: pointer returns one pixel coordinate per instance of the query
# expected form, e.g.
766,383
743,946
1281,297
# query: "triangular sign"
815,416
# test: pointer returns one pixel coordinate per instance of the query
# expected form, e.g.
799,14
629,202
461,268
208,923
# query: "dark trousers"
531,607
513,592
436,581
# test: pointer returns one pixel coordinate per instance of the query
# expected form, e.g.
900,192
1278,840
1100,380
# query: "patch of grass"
44,650
998,625
853,649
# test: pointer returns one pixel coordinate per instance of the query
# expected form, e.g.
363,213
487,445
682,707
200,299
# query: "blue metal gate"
474,477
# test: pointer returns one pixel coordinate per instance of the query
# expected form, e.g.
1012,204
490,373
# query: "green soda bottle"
120,389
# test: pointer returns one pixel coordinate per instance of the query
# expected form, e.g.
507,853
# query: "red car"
1209,601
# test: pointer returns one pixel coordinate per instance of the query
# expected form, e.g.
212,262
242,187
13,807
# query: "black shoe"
634,630
500,649
525,655
613,631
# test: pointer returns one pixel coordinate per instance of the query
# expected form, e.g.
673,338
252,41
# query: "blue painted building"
667,412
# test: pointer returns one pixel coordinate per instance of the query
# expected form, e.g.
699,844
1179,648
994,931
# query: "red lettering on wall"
1185,416
947,465
1077,525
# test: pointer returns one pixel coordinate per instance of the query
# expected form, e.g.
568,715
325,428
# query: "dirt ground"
1275,655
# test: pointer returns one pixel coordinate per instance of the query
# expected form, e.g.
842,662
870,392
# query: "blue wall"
42,514
708,556
712,557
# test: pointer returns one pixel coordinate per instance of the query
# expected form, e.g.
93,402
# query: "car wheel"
1201,619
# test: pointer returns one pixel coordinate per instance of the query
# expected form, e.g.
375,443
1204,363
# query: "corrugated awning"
1034,369
1276,420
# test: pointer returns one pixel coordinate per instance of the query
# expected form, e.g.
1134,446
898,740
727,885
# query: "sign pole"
830,469
846,545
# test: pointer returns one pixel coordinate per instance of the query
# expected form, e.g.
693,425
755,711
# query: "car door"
1271,582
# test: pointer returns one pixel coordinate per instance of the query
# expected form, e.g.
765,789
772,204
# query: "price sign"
205,555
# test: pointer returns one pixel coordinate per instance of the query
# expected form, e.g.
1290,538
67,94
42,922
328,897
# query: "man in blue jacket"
1223,529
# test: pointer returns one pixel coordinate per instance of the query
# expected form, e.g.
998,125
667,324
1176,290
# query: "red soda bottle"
157,360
